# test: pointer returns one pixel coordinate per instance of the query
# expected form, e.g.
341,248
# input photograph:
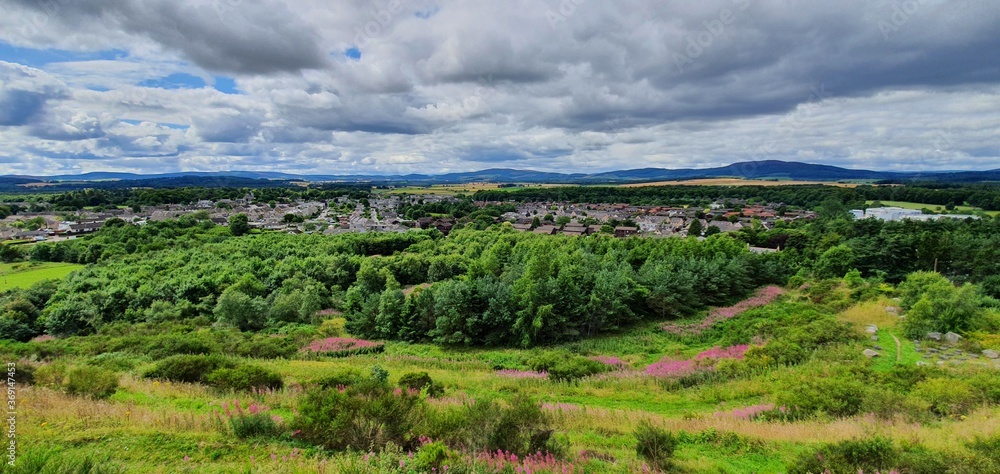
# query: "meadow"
24,275
726,406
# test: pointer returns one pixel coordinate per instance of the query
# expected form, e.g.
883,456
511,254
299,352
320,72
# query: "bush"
188,368
811,393
260,425
361,417
419,381
91,382
563,367
118,361
174,344
266,348
52,375
861,455
655,445
245,378
342,378
946,397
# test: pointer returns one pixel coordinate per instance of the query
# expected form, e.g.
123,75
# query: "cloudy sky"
431,86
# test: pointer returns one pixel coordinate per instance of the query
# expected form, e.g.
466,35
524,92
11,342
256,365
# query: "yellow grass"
871,312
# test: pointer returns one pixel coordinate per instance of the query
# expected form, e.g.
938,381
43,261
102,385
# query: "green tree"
694,230
835,262
237,309
940,307
239,224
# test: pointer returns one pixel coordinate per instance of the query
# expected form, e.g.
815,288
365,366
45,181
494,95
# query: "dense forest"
494,287
805,196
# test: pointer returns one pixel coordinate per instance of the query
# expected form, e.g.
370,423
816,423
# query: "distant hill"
769,169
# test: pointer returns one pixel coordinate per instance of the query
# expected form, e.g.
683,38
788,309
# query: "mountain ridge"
767,169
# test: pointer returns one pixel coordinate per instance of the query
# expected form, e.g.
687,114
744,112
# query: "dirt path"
899,348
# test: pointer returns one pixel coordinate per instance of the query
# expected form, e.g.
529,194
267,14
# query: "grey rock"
934,336
921,363
870,353
877,348
875,338
952,337
991,354
891,309
871,329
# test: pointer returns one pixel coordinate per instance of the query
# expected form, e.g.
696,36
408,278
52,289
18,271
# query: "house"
546,230
594,229
522,227
622,231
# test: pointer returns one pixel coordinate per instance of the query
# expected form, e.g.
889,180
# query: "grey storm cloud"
24,93
234,36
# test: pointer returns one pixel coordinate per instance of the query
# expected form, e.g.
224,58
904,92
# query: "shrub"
52,375
875,454
362,417
119,361
25,373
419,381
245,378
575,369
333,327
430,457
655,445
775,353
91,382
188,368
266,348
342,378
519,426
946,397
254,422
563,367
810,393
173,344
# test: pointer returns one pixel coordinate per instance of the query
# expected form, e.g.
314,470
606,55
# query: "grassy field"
934,207
23,275
154,426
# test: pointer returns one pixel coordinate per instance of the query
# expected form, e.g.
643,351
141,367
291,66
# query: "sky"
437,86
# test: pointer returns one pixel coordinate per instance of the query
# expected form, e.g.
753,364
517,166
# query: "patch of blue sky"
40,57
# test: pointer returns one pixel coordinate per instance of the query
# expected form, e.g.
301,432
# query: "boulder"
875,338
934,336
921,363
952,337
892,309
870,353
991,354
871,329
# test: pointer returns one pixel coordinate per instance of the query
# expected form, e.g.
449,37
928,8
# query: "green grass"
23,275
934,207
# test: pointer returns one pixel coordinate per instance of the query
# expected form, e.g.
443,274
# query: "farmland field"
934,207
23,275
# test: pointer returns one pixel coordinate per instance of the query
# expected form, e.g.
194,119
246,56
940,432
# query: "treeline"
78,199
983,196
808,197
